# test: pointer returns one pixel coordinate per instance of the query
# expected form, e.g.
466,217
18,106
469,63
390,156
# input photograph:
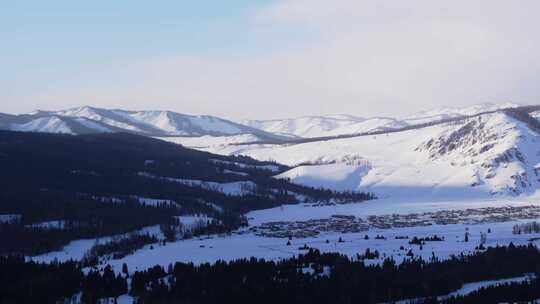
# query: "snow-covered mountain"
307,126
52,123
477,156
184,127
151,123
471,152
336,125
454,112
321,126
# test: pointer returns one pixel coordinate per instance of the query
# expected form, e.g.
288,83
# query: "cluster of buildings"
349,223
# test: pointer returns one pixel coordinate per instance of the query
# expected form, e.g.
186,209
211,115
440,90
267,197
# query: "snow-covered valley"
486,159
484,216
456,184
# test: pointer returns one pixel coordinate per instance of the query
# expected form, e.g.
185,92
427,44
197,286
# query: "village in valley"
352,224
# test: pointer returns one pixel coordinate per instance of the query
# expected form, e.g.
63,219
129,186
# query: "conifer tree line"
526,228
313,277
332,278
92,184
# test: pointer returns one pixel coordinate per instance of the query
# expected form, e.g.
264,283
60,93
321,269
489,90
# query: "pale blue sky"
268,58
70,33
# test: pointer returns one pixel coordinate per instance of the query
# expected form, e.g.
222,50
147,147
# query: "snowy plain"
244,244
236,246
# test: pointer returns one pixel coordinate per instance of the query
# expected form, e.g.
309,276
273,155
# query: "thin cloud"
363,57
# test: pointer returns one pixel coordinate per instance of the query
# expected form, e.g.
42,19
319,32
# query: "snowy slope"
162,123
327,125
150,123
475,157
208,141
367,125
535,114
171,124
49,124
307,126
453,112
335,125
104,116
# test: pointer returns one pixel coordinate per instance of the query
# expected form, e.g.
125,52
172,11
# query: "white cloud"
362,57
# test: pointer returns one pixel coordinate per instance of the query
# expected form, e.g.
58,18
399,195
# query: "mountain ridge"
485,154
316,126
86,119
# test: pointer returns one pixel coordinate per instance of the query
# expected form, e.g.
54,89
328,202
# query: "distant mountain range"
85,120
451,153
336,125
328,125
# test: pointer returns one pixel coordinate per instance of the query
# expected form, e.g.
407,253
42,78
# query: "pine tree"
125,269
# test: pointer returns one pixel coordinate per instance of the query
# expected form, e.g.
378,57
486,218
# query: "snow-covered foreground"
471,287
245,243
75,250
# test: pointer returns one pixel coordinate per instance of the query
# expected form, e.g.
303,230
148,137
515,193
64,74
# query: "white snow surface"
327,125
334,125
367,125
208,141
125,299
334,176
93,114
476,157
307,126
159,119
452,112
244,243
469,288
150,123
93,125
75,250
202,250
402,205
214,124
50,124
168,122
472,287
232,188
